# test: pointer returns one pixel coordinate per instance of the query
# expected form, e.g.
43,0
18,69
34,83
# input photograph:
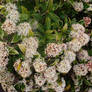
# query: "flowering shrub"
46,45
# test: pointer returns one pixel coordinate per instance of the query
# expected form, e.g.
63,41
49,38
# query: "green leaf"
90,52
20,87
22,48
54,17
1,33
50,5
16,38
24,17
65,27
12,51
1,6
87,82
48,23
37,16
30,33
24,10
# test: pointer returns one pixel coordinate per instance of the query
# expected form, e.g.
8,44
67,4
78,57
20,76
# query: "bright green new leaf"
22,48
16,38
12,51
48,23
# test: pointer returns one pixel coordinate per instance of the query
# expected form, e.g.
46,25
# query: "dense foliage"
46,45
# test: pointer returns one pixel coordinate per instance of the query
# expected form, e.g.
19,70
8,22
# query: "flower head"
83,55
23,68
39,79
74,45
13,16
78,28
10,7
70,55
80,70
78,6
39,65
9,26
24,29
64,66
87,21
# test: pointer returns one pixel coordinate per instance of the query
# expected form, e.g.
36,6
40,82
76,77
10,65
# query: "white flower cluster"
54,49
48,74
31,45
79,37
23,68
74,45
9,26
59,87
13,14
64,66
6,80
39,79
3,56
39,65
70,56
10,7
24,29
80,69
78,6
83,55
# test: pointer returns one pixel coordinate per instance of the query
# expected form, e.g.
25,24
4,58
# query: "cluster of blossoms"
48,74
79,6
31,45
9,26
60,58
3,56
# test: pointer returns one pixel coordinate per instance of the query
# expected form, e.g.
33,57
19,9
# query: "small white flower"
53,49
3,56
13,16
74,45
80,70
39,79
52,79
78,6
50,72
30,42
9,26
6,77
24,29
64,66
78,28
70,55
10,7
74,34
28,86
84,39
83,55
31,45
23,68
59,88
39,65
